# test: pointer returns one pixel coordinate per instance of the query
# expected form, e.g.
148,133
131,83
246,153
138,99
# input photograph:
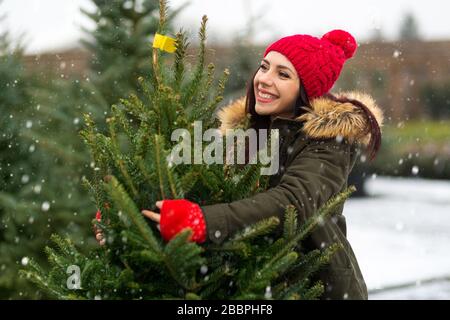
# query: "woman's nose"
266,79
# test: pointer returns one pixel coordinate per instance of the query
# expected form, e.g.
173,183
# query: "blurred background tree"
43,158
409,28
16,162
436,98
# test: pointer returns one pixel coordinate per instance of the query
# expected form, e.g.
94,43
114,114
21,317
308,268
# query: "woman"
320,139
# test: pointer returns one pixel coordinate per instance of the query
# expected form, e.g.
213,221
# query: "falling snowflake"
37,188
25,178
25,261
45,206
399,226
396,54
204,269
268,293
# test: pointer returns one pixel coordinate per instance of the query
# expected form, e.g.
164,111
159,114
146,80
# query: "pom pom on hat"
342,39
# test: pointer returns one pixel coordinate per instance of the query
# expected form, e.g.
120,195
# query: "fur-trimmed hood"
327,118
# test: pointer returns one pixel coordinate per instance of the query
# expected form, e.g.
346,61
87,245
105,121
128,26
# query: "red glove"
179,214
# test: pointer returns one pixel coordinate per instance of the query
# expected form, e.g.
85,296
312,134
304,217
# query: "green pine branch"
126,205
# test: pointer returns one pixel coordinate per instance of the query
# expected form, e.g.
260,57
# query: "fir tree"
132,169
34,201
15,163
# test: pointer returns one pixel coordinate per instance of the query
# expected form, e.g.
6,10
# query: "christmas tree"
133,168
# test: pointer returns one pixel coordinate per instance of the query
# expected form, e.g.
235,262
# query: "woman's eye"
285,75
264,67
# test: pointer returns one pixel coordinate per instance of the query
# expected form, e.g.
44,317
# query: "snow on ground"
401,235
436,290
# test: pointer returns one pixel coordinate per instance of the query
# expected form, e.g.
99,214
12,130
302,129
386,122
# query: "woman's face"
276,86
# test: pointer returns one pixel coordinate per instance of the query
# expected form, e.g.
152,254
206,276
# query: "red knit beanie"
318,62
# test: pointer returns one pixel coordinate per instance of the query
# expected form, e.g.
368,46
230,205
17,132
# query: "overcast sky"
54,24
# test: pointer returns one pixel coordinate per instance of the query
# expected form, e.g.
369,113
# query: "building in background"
397,74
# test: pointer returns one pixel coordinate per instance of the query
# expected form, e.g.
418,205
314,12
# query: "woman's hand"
153,215
99,236
176,215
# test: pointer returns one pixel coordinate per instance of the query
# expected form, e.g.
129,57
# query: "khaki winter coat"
323,146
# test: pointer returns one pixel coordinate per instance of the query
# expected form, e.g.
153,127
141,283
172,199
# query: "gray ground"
401,237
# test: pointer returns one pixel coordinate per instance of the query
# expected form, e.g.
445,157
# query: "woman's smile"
264,96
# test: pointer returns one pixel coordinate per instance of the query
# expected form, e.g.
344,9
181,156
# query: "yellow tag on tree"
164,43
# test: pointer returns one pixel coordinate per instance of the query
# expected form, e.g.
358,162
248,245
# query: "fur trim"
325,119
233,116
